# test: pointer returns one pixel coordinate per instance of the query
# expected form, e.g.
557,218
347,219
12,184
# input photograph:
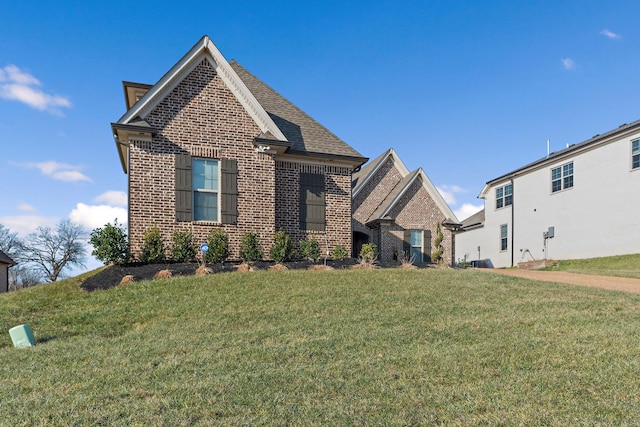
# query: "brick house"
210,145
5,263
399,211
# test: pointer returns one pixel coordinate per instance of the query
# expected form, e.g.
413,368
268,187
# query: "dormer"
133,92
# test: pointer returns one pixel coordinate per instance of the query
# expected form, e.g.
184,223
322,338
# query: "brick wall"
417,210
201,117
372,194
337,199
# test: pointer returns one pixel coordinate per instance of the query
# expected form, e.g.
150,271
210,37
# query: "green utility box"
22,336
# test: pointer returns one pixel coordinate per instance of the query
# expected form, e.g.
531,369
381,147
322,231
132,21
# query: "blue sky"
467,90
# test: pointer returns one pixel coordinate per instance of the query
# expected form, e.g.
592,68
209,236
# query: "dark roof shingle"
303,132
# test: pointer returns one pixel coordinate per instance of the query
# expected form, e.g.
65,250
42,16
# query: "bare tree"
21,276
10,244
52,251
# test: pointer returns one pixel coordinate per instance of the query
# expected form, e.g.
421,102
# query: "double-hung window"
416,246
562,177
635,154
504,237
206,189
504,196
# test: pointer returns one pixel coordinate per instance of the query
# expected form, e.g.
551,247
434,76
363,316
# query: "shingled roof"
360,177
5,259
283,125
303,132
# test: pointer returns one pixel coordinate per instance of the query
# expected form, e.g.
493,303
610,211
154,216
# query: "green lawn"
344,347
622,266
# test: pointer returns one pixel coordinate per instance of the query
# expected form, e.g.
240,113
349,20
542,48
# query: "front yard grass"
366,347
621,266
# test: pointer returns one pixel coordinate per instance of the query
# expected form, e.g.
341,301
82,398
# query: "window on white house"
504,196
562,177
206,189
504,237
635,154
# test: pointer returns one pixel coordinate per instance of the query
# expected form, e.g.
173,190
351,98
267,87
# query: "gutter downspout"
513,221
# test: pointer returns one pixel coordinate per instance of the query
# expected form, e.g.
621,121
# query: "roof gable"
361,177
284,127
203,49
401,188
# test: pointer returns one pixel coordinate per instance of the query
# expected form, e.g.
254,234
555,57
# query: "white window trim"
504,196
562,177
637,141
506,227
218,219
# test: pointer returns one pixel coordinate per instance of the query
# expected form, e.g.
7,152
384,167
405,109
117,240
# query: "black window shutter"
426,244
312,202
184,190
229,191
406,244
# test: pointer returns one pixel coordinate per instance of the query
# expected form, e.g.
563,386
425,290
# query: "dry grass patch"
278,267
203,270
127,279
162,274
363,265
320,267
244,267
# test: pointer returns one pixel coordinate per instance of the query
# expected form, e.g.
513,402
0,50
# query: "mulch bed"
112,275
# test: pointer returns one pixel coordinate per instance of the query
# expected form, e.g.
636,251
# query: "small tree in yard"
183,250
282,248
110,244
250,249
310,249
436,255
369,253
218,242
153,246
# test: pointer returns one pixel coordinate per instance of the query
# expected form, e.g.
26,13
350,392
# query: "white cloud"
114,198
26,224
448,193
60,171
94,216
17,85
466,210
609,34
568,63
25,207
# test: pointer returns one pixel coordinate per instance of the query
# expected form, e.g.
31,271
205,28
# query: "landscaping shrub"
282,248
436,255
369,253
153,246
310,249
250,249
340,253
183,250
218,242
110,244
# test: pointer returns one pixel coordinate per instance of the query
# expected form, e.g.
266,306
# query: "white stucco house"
580,202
